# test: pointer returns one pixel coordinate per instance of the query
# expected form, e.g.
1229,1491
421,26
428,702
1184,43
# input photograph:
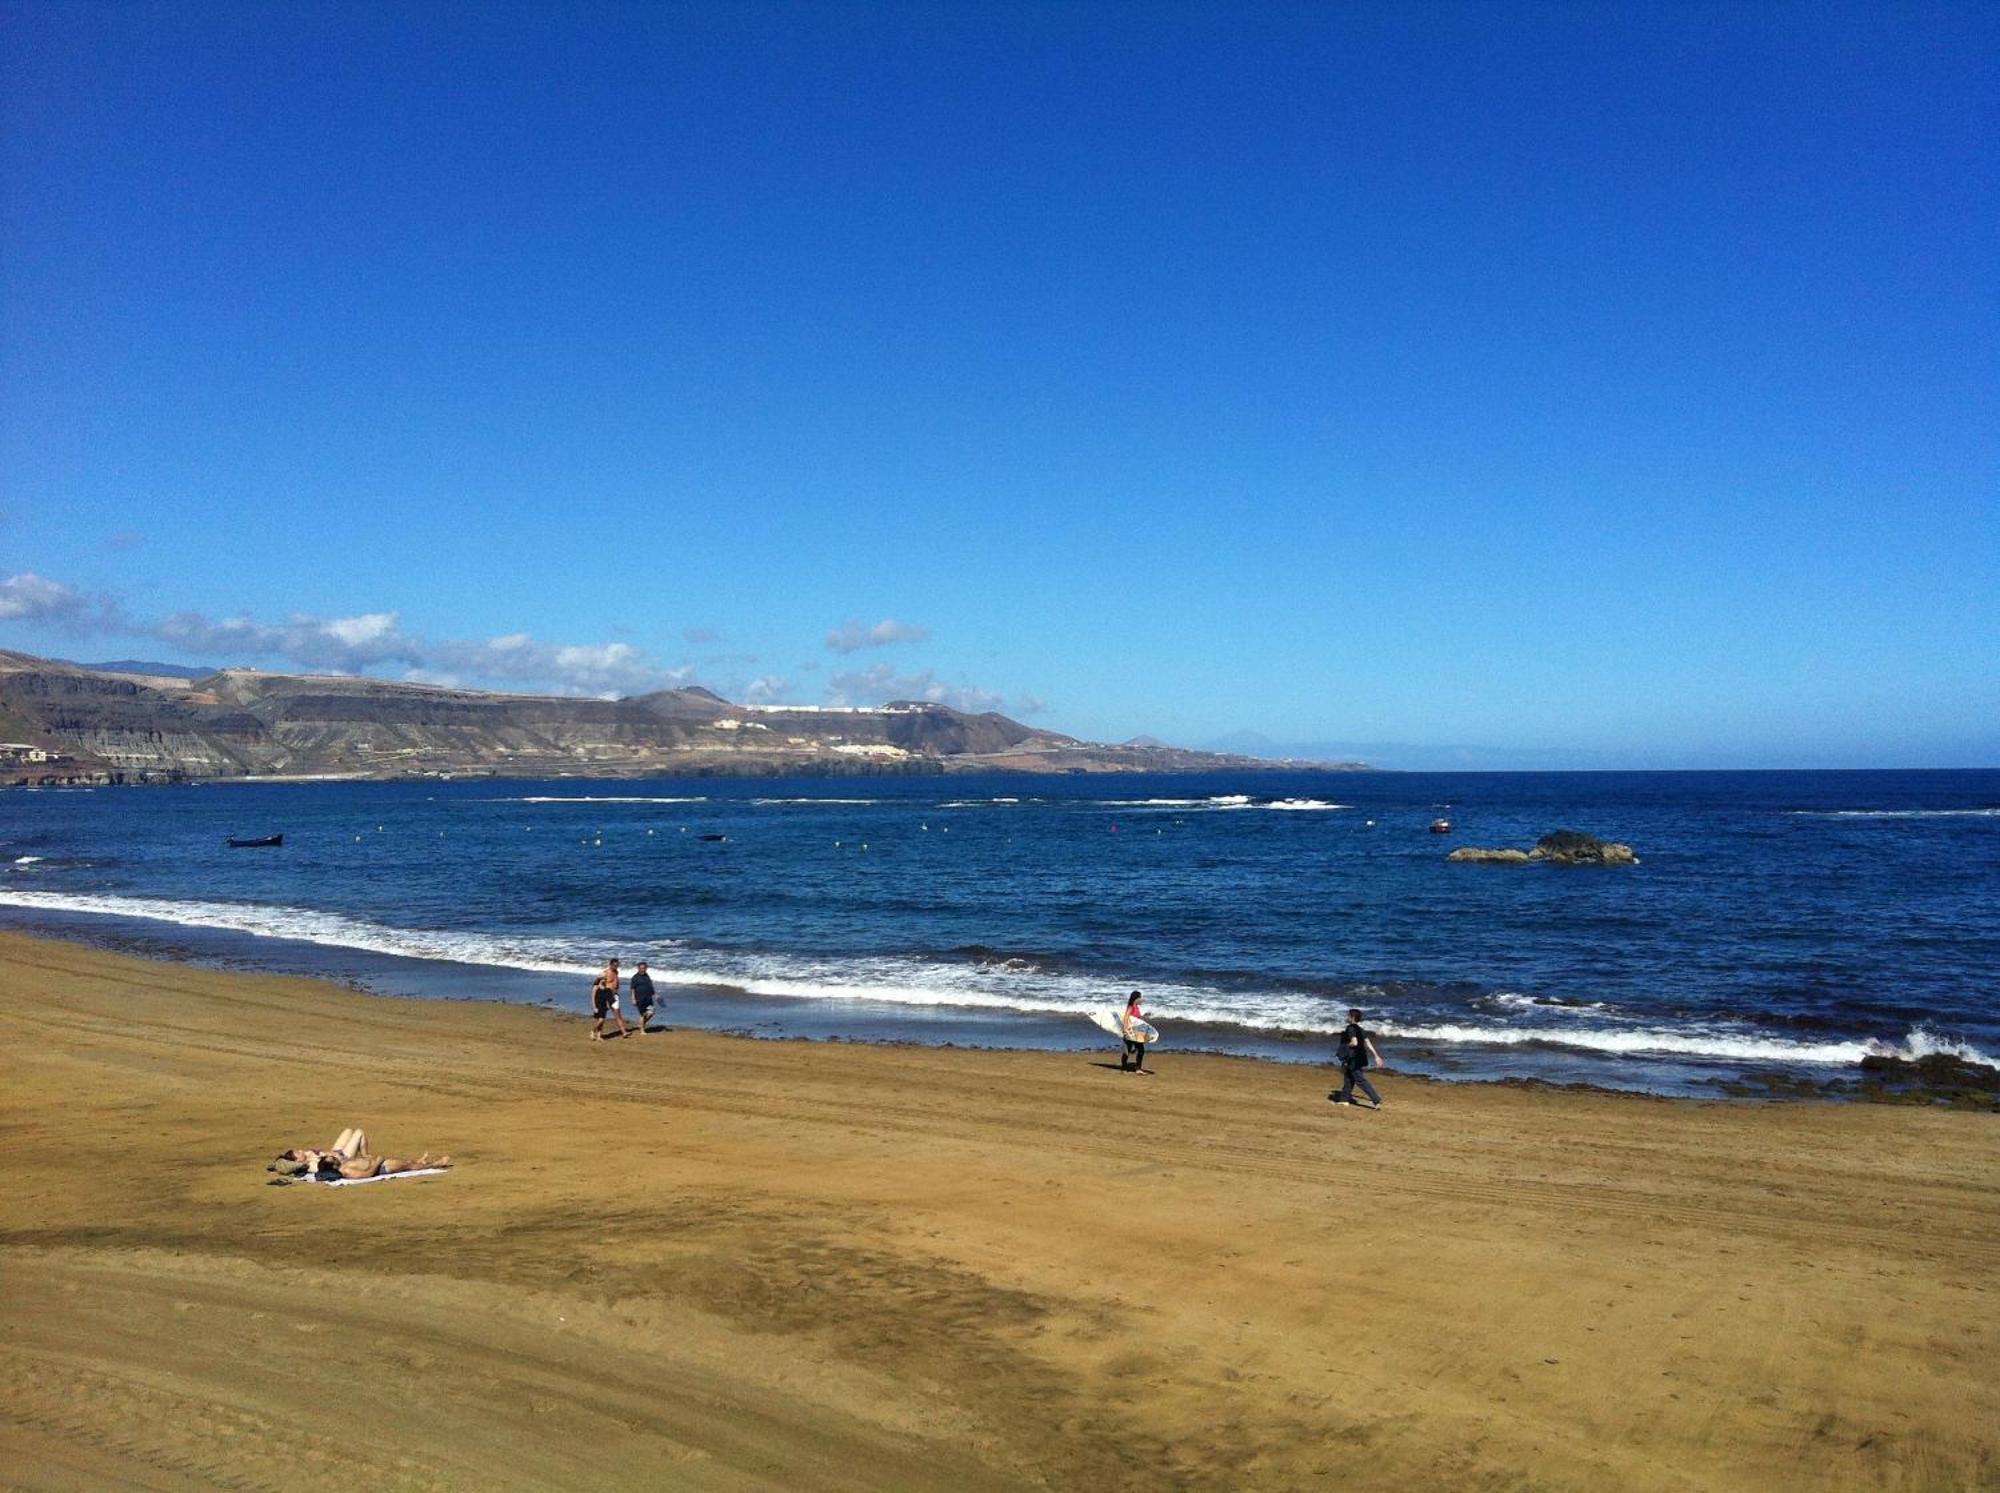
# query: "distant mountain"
149,670
1249,743
134,724
1303,754
1404,756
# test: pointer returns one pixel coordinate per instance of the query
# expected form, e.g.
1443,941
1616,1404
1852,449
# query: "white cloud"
28,597
1032,705
351,645
359,632
342,645
853,636
375,642
882,684
571,668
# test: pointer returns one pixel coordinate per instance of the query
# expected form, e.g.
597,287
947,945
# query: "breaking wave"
1744,1047
1513,1000
1220,801
980,978
773,801
1895,813
582,798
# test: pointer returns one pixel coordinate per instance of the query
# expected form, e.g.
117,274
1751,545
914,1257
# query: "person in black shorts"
604,1002
1355,1048
642,995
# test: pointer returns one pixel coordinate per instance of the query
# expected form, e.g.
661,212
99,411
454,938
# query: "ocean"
1787,922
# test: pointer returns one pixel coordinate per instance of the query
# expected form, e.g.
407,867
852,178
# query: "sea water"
1795,921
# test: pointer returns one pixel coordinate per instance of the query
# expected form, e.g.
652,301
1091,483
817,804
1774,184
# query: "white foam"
1746,1047
883,979
26,860
816,801
549,798
328,929
1514,1000
1896,813
1221,802
1922,1042
1217,801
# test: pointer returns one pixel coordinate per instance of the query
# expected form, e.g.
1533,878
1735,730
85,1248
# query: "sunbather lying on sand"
388,1166
348,1157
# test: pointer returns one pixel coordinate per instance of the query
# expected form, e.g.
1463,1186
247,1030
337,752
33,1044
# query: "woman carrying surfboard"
1134,1059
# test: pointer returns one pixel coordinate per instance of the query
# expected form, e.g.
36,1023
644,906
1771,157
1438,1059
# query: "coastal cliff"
63,722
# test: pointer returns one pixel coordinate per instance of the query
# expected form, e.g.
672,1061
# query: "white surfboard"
1111,1018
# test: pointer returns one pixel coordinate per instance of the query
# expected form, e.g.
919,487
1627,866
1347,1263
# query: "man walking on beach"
1356,1049
642,995
604,1002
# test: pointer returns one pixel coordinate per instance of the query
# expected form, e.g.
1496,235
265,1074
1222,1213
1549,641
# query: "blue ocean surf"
1791,921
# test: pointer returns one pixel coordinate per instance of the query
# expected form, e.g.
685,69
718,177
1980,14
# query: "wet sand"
691,1261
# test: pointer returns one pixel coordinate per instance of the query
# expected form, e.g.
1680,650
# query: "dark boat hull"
256,844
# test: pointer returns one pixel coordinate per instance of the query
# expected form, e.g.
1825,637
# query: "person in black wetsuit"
1356,1048
642,995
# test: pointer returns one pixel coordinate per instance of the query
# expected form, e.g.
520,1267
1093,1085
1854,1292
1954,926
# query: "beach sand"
692,1261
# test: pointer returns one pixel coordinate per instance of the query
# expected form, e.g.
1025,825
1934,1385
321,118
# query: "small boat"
1440,826
715,839
259,843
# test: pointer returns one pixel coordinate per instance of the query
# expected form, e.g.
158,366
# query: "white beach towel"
422,1171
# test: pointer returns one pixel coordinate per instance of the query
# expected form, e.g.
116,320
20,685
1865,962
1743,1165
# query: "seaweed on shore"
1938,1079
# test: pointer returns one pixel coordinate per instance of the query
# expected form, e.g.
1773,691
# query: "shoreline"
696,1261
733,1010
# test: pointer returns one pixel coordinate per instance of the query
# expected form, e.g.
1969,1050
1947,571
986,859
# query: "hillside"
104,726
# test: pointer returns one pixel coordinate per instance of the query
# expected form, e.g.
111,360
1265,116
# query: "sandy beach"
693,1261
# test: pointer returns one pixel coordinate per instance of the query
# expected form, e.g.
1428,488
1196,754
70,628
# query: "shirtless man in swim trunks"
604,1002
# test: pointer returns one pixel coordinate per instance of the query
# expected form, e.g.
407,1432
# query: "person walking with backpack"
1356,1050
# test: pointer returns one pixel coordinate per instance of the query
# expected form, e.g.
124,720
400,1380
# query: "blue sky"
1613,380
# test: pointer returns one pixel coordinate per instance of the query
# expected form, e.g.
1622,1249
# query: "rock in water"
1568,847
1564,847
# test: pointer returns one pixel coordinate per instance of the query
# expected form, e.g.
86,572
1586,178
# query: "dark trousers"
1135,1054
1352,1074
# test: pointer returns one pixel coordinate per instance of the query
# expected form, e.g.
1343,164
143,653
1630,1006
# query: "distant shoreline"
836,772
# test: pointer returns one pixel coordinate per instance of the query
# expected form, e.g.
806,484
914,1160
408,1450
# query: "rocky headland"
66,723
